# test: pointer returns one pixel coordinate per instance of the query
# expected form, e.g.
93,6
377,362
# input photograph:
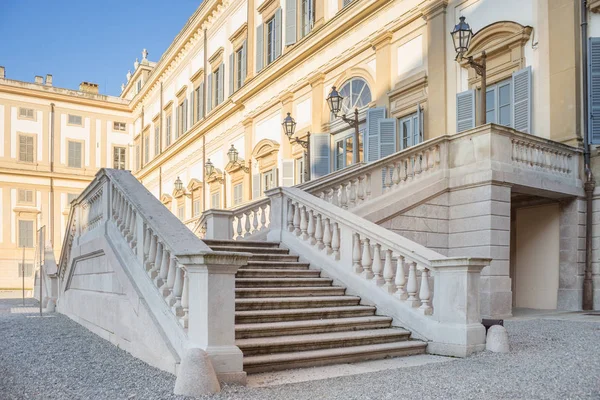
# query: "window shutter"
372,142
521,81
209,102
287,170
387,141
256,193
594,89
290,22
465,111
320,155
185,116
191,109
221,82
420,123
278,32
231,73
244,61
260,47
201,101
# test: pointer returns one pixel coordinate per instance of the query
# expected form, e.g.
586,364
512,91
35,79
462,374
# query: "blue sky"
84,40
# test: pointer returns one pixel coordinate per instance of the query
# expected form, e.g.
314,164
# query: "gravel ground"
55,358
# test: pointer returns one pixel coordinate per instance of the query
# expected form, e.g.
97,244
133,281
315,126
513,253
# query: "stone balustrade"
245,221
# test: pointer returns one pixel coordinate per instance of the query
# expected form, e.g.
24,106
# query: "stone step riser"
288,348
302,316
274,257
277,273
288,292
240,243
310,329
257,305
291,282
275,265
252,250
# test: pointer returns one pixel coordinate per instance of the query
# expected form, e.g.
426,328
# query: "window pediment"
498,37
194,184
216,59
166,199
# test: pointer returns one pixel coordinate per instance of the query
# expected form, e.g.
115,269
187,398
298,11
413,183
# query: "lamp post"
210,170
334,101
289,127
461,36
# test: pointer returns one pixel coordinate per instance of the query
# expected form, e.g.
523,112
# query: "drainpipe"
51,205
204,92
590,184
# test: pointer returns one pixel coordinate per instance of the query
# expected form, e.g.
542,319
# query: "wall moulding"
407,94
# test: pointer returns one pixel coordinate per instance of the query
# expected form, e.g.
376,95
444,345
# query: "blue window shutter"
191,110
594,91
387,141
372,142
320,155
185,116
231,73
201,101
465,111
291,16
521,82
256,193
260,48
221,83
244,62
209,103
420,123
278,32
287,172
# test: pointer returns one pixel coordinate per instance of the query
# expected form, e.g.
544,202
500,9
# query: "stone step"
281,282
290,291
270,329
274,257
279,264
277,303
251,249
301,359
277,273
236,243
318,341
298,314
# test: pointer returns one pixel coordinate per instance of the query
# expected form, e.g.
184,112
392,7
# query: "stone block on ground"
196,375
497,339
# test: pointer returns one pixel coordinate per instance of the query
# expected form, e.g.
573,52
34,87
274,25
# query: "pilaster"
383,80
320,118
286,107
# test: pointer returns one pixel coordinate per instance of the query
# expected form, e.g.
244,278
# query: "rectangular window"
25,233
26,148
498,104
25,196
168,130
300,170
25,270
410,131
181,212
119,126
119,157
217,85
26,113
75,120
239,56
196,207
147,147
74,154
344,151
270,41
156,140
215,200
306,17
238,194
268,180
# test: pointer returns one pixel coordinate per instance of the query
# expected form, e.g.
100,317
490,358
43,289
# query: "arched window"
356,93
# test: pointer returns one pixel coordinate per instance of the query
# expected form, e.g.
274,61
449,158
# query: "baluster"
263,217
132,237
290,217
319,233
400,280
366,260
424,162
125,224
356,254
239,228
247,225
430,162
368,187
327,236
411,286
303,223
343,196
352,197
157,261
360,192
185,302
377,266
178,290
152,253
388,273
170,299
425,293
395,175
335,200
297,219
311,227
255,220
161,281
146,242
387,178
335,241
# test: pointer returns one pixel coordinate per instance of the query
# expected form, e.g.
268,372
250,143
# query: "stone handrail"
174,259
385,263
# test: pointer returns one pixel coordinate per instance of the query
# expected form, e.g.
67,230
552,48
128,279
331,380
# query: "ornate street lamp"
233,156
461,36
209,168
178,185
210,171
334,101
289,128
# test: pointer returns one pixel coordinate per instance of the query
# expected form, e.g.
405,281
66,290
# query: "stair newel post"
360,189
238,228
178,289
425,293
411,286
311,227
152,253
157,261
164,270
170,299
327,236
356,254
303,223
344,196
400,280
335,240
297,219
290,216
319,233
377,265
395,175
388,273
352,197
247,225
185,300
366,260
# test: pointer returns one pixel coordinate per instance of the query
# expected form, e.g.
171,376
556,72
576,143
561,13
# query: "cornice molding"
381,40
433,8
239,34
